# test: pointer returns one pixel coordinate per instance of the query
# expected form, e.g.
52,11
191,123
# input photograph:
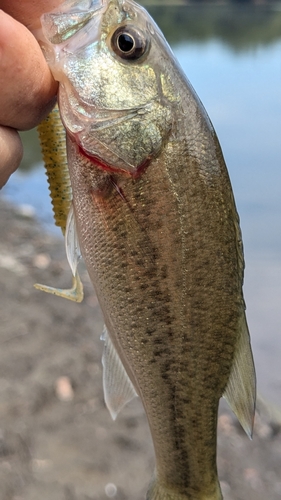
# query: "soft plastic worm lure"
52,139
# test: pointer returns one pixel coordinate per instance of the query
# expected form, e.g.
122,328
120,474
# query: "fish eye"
128,42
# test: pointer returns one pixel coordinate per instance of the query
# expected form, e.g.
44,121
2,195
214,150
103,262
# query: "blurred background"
231,53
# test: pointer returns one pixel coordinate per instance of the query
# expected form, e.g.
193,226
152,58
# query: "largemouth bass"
158,230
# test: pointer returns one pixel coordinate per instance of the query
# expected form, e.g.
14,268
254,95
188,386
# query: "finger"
29,11
27,87
11,152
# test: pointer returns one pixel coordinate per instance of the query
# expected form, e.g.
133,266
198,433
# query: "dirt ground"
57,440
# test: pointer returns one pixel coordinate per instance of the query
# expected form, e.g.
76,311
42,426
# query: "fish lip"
101,164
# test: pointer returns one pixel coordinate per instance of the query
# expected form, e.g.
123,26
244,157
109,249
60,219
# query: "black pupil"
125,42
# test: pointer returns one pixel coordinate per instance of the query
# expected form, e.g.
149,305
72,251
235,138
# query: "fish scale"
159,233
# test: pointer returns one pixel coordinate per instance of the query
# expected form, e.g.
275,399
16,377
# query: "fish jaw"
60,26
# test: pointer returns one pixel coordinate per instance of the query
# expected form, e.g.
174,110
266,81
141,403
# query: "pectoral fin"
72,247
240,392
118,388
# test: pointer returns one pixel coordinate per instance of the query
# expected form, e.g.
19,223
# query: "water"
238,78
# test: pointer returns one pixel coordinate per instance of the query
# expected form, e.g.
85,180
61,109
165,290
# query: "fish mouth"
66,21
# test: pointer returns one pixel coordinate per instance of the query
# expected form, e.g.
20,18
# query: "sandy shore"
57,440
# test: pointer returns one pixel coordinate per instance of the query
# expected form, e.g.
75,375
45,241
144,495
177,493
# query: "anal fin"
240,392
118,388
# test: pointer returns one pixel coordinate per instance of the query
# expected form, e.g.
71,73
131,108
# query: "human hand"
28,90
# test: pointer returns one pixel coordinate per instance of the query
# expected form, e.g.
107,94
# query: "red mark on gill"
99,163
139,170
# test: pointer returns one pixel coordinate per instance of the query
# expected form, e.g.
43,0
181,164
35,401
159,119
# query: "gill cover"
117,122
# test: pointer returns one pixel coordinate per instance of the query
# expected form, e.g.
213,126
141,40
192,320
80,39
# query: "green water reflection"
241,27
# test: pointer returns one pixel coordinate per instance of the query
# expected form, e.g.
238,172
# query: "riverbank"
57,440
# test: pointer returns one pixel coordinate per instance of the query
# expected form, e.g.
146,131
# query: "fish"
155,217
